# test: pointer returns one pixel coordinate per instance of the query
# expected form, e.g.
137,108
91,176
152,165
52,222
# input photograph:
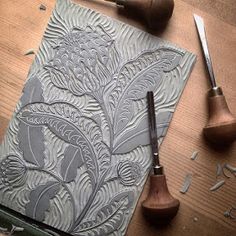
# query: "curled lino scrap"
186,184
217,185
4,231
230,168
219,170
29,52
42,7
16,229
225,172
231,213
194,155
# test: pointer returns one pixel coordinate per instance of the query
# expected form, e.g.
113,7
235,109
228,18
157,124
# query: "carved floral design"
84,61
80,66
92,162
129,173
13,172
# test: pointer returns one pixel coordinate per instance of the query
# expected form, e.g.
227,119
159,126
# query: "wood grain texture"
222,9
221,125
159,207
201,211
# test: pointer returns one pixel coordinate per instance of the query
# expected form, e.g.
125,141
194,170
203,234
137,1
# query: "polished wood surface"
160,207
201,211
155,12
221,125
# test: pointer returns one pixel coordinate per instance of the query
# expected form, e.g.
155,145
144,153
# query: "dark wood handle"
221,126
156,12
160,206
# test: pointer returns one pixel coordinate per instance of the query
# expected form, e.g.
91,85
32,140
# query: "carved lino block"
76,154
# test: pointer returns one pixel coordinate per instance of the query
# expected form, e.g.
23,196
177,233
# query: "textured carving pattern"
76,153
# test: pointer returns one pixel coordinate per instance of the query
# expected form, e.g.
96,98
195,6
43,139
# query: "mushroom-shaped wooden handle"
221,126
155,12
160,206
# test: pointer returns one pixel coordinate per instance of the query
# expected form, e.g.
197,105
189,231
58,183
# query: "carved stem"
90,201
62,183
109,124
99,98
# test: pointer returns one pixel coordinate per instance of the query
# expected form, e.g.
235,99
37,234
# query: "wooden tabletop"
201,211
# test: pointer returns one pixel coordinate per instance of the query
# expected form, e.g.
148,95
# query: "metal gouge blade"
153,128
202,35
221,125
158,169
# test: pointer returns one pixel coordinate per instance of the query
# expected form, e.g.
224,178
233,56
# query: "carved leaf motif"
136,78
32,92
73,159
64,121
39,200
138,134
109,218
31,141
57,77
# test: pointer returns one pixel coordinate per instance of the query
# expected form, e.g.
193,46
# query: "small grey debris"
227,214
230,213
186,184
195,219
29,52
194,155
16,229
225,172
42,7
230,168
3,229
217,185
219,170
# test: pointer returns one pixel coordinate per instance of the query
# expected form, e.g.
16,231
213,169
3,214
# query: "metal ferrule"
158,170
156,158
215,91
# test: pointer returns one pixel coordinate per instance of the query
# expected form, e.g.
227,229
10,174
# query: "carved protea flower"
129,172
84,61
13,171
